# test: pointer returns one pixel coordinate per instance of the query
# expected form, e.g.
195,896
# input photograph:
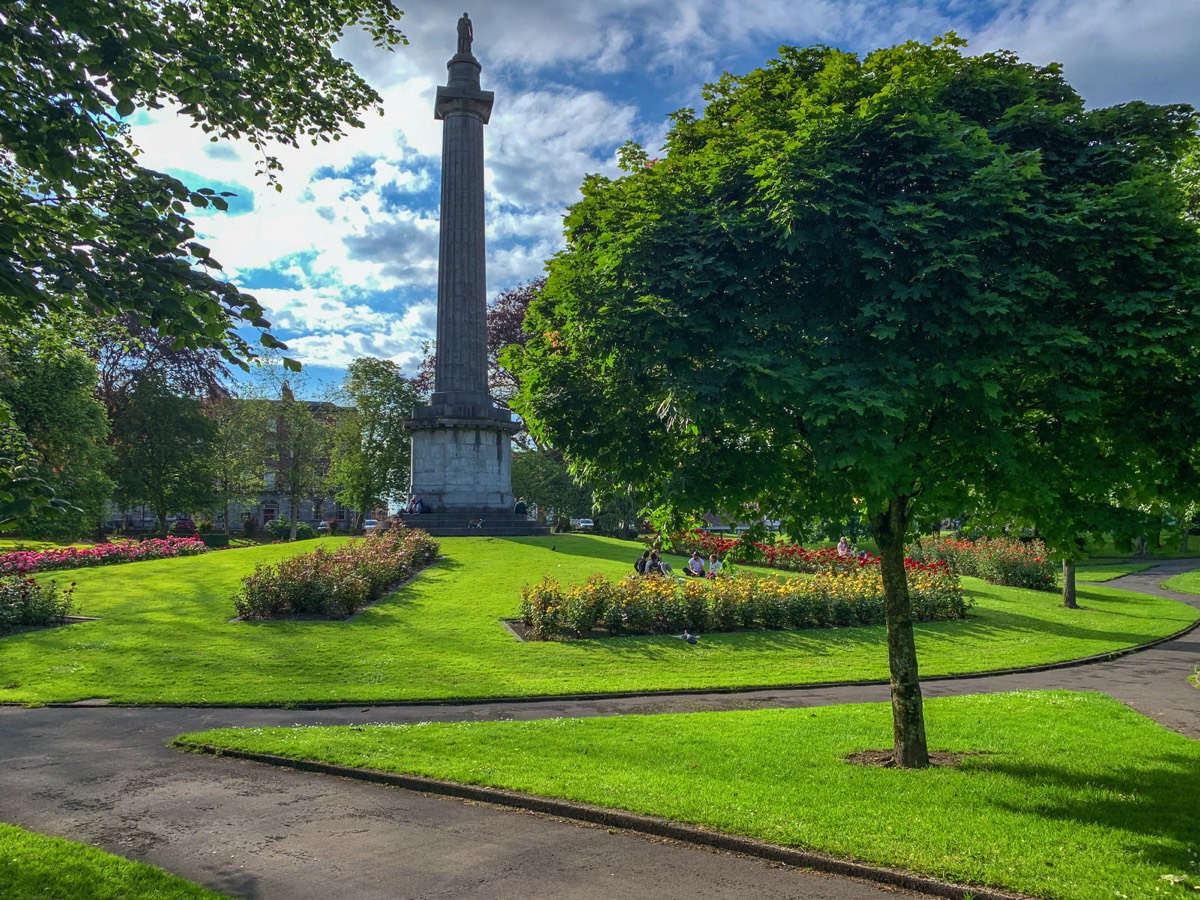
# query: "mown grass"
1097,573
34,865
1187,583
1067,795
164,636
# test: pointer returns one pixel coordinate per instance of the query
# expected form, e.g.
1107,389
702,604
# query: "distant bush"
24,602
26,562
281,530
1004,561
658,605
335,584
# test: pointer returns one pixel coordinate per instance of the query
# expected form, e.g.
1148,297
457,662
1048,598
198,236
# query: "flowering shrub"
24,602
26,562
335,584
653,605
791,557
1004,561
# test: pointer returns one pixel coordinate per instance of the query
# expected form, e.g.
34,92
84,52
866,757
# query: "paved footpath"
106,776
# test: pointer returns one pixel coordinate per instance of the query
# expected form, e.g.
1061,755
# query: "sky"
344,258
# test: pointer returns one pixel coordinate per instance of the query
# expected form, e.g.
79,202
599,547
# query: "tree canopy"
370,462
871,283
86,226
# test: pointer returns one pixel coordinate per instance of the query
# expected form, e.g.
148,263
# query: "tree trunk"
908,715
225,518
1069,584
294,502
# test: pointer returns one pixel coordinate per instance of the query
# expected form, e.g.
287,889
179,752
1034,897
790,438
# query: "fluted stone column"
461,451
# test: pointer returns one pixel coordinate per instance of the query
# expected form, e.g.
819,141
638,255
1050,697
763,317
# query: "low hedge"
658,605
27,562
24,602
335,584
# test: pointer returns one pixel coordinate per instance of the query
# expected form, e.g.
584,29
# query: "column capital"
463,101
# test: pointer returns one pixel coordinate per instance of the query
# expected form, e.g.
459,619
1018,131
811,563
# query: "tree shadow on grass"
1154,803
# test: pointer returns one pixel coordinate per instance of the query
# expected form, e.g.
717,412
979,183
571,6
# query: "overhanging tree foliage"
86,227
868,283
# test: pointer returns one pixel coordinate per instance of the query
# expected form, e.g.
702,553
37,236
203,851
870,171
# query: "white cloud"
1112,51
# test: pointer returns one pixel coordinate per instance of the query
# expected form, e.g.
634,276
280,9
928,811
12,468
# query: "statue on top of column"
466,34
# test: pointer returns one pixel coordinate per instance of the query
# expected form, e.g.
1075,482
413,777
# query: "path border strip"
651,826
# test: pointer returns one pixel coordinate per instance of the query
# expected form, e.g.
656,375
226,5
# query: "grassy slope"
1188,583
1099,572
1071,795
164,636
33,865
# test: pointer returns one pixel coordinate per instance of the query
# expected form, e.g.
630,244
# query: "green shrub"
281,530
24,602
335,584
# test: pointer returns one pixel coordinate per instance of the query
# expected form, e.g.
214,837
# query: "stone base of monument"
476,523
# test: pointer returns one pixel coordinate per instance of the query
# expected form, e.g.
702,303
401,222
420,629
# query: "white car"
586,523
370,525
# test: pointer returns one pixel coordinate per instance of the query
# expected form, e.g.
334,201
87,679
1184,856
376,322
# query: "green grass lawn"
1068,796
164,636
1188,583
34,865
1107,571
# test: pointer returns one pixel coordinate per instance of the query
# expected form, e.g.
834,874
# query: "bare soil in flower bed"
64,620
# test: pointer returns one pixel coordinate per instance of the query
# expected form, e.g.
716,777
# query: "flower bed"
24,603
335,584
27,562
1004,561
654,605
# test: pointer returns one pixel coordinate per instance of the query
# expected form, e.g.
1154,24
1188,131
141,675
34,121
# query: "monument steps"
492,524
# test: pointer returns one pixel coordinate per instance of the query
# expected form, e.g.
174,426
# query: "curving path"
106,776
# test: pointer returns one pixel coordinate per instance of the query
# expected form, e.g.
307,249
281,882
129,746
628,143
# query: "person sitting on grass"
714,566
695,566
642,563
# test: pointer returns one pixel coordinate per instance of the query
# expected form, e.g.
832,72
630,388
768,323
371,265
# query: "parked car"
586,523
370,525
322,527
182,527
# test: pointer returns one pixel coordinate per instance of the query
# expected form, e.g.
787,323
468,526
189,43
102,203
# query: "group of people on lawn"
650,563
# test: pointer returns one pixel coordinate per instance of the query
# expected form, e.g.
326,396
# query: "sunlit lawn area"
1188,583
34,865
1068,796
1100,572
164,636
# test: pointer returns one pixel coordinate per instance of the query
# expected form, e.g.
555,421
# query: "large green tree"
53,429
866,283
301,450
88,228
370,462
238,450
162,443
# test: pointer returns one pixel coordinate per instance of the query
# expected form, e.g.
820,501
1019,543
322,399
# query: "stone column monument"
461,441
